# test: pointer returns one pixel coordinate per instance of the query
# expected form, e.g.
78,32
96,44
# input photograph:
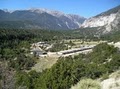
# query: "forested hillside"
68,71
14,49
16,62
113,36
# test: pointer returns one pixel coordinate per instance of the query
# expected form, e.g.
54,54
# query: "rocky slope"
106,21
113,82
39,18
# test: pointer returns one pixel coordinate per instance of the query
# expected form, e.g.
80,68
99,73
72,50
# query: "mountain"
105,22
39,19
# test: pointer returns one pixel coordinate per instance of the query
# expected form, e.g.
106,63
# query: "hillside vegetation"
16,62
68,71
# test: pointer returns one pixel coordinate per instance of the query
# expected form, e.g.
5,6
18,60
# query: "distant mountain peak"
9,11
40,18
43,10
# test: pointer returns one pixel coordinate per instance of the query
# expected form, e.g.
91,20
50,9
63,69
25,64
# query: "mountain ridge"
106,22
41,18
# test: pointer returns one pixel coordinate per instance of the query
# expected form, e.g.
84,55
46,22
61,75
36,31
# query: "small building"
36,51
42,44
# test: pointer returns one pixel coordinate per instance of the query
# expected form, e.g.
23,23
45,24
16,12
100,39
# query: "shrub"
87,84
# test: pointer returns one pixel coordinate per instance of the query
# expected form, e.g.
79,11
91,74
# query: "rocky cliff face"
106,21
99,21
116,22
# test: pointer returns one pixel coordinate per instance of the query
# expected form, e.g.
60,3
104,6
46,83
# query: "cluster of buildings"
39,48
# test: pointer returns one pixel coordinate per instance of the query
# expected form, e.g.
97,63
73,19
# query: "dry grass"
115,75
44,63
79,42
87,84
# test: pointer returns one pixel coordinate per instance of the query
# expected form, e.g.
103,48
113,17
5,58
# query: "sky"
85,8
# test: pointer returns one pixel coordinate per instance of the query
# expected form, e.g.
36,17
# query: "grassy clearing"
44,63
81,42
